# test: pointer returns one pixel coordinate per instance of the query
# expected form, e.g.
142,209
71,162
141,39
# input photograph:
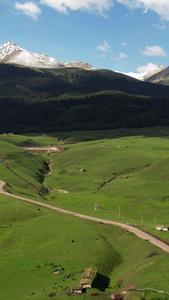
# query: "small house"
77,289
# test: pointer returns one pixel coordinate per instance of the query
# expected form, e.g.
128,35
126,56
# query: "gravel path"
136,231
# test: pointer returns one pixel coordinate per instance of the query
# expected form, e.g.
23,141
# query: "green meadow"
119,175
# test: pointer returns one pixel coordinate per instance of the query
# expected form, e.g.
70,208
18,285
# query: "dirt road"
136,231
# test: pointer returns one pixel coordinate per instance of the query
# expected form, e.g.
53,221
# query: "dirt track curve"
136,231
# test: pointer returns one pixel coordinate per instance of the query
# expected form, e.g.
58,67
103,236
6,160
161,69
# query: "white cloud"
124,44
29,8
154,51
148,68
105,47
100,7
122,56
161,7
92,6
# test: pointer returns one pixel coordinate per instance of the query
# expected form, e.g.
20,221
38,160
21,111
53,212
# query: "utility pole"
17,206
95,206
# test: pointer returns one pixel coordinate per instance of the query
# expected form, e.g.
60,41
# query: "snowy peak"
13,54
7,49
157,75
145,76
154,72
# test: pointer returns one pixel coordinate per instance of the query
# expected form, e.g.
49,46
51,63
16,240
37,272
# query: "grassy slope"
143,195
26,165
116,253
37,241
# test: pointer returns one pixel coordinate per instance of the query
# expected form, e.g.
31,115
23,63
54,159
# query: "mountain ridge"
64,99
10,53
13,54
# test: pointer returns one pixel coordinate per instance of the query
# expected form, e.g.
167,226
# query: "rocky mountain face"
157,71
162,76
12,54
146,76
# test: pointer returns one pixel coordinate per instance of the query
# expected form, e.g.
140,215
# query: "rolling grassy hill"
129,171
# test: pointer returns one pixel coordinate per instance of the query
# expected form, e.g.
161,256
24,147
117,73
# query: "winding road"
136,231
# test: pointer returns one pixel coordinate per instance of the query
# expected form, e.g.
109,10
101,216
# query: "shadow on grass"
101,283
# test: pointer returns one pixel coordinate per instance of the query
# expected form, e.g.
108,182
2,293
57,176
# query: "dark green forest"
92,113
34,100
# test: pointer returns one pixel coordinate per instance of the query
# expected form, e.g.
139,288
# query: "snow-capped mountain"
13,54
144,76
149,74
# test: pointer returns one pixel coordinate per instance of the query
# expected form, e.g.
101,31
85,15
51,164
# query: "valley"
83,179
35,241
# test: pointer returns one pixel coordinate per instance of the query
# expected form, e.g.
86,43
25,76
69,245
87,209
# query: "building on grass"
88,278
77,289
162,228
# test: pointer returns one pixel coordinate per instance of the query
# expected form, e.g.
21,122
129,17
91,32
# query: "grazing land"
117,175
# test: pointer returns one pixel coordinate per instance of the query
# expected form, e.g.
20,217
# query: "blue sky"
120,35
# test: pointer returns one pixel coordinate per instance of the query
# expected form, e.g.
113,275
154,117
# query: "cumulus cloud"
100,7
92,6
29,8
122,56
154,51
105,47
161,7
148,68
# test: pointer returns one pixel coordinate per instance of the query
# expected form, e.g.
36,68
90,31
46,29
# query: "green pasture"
125,178
31,140
34,243
22,170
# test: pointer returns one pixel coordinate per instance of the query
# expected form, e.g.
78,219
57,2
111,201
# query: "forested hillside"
75,99
94,112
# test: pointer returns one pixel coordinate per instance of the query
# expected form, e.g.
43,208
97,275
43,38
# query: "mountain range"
11,53
41,94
